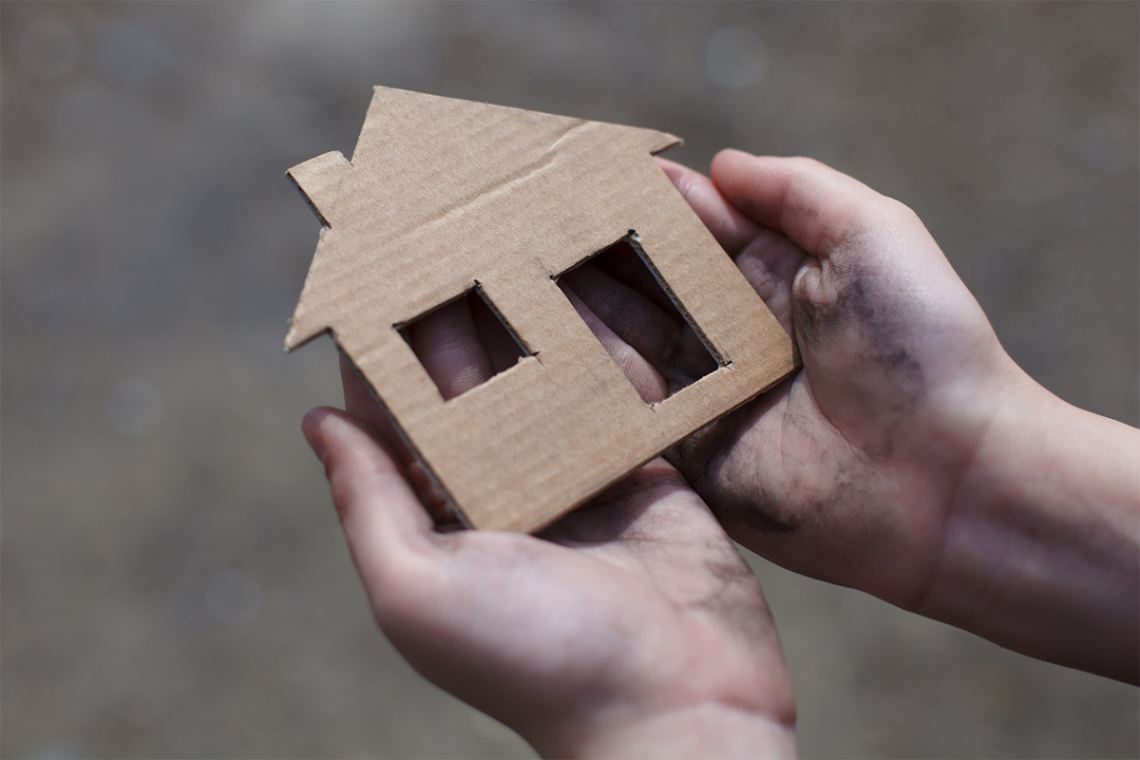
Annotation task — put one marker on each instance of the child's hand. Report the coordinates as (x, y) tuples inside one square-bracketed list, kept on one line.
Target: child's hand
[(909, 457), (847, 469), (631, 627)]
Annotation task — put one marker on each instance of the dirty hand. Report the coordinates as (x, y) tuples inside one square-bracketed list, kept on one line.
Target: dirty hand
[(909, 457), (632, 627), (844, 471)]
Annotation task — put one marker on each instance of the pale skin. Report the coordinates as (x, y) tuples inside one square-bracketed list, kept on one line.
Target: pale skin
[(910, 458)]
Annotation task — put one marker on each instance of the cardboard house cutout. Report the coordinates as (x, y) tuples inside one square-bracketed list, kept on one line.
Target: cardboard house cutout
[(442, 196)]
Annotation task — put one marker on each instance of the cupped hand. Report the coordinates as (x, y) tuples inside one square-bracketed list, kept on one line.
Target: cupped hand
[(631, 627), (846, 470), (909, 457)]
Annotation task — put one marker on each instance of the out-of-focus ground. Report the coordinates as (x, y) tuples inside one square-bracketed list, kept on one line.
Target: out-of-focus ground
[(173, 579)]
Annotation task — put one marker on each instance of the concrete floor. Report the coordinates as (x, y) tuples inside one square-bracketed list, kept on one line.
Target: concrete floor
[(173, 579)]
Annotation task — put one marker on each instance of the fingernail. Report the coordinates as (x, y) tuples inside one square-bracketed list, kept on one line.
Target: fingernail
[(310, 427)]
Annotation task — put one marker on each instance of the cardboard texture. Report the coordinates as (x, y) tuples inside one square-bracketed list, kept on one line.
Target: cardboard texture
[(444, 195)]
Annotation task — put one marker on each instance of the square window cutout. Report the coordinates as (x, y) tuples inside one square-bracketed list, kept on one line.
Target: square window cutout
[(463, 343), (627, 306)]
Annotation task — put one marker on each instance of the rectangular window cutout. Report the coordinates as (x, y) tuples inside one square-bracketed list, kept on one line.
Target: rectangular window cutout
[(463, 343), (635, 318)]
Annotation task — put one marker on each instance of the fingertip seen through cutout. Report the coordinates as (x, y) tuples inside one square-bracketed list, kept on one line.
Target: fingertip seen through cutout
[(466, 341), (628, 307), (463, 343)]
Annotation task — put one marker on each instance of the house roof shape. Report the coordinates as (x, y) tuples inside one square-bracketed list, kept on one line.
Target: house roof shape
[(443, 195)]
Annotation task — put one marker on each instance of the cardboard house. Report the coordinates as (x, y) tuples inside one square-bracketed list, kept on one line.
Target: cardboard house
[(443, 196)]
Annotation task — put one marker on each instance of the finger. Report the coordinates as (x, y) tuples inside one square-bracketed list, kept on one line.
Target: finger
[(732, 229), (448, 346), (360, 402), (669, 345), (767, 259), (623, 264), (622, 291), (501, 349), (638, 321), (648, 381), (770, 263), (815, 206), (388, 532)]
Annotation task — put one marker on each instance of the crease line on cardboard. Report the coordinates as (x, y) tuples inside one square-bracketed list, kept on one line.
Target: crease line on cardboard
[(479, 197), (566, 133)]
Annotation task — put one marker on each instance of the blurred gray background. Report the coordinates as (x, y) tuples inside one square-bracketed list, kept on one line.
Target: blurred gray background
[(173, 579)]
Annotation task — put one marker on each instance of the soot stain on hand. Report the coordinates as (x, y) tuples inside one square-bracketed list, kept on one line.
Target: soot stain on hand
[(818, 321), (856, 310), (695, 455), (734, 580), (613, 513), (761, 512)]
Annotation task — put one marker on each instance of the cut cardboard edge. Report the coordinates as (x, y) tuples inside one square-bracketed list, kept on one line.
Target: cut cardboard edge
[(659, 142), (318, 180), (668, 143), (607, 167), (450, 507)]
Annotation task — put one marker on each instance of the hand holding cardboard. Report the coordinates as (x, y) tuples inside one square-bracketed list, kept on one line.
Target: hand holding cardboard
[(443, 198)]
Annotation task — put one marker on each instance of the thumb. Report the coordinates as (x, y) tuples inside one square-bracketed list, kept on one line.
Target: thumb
[(820, 209), (390, 535)]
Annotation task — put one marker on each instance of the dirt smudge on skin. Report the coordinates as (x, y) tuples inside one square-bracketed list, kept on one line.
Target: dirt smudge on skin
[(875, 329), (758, 513), (614, 513), (734, 596)]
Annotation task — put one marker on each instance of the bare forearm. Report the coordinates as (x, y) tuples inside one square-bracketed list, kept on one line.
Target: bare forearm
[(707, 730), (1042, 543)]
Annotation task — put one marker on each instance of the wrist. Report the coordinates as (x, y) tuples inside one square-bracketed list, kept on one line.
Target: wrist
[(704, 730), (1041, 539)]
